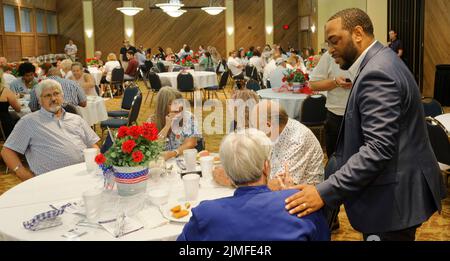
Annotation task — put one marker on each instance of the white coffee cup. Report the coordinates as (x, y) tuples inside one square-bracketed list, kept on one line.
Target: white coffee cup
[(89, 158), (207, 164), (190, 159), (92, 203), (191, 186)]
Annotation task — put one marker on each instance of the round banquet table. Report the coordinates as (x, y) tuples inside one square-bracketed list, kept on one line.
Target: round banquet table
[(95, 110), (201, 79), (61, 186), (96, 74), (291, 102)]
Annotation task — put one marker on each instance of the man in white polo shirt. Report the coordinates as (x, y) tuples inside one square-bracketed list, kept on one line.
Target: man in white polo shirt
[(327, 76)]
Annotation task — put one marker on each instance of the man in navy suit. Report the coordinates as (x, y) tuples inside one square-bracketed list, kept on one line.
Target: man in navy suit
[(254, 213), (387, 176)]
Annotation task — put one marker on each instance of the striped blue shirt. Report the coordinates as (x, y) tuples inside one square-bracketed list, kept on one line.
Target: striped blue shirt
[(49, 143), (73, 93), (18, 86)]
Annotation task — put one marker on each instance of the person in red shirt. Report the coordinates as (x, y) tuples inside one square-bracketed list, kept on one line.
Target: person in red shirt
[(133, 65)]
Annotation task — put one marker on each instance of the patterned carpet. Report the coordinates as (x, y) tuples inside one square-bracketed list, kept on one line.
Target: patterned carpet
[(436, 229)]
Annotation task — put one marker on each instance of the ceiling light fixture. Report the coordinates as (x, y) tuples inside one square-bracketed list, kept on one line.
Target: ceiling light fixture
[(213, 10), (171, 6), (176, 13), (130, 10)]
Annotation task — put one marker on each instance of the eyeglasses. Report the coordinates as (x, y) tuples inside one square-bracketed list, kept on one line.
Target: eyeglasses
[(50, 95)]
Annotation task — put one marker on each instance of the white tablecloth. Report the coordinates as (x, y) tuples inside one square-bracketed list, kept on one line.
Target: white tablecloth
[(65, 185), (444, 119), (95, 111), (201, 79), (97, 74), (291, 102)]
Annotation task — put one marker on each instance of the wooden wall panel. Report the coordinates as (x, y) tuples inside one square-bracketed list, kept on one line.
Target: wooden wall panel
[(42, 4), (307, 39), (43, 45), (108, 26), (249, 23), (155, 28), (1, 46), (13, 50), (286, 12), (436, 46), (28, 46), (70, 24)]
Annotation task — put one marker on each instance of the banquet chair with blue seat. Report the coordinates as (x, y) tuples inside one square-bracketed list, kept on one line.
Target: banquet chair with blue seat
[(253, 85), (185, 83), (440, 143), (161, 67), (222, 84), (117, 81), (153, 85), (116, 123), (127, 102), (314, 114), (431, 107)]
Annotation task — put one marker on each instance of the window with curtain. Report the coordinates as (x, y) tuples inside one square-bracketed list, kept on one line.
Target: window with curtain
[(40, 21), (9, 16), (25, 20), (52, 23)]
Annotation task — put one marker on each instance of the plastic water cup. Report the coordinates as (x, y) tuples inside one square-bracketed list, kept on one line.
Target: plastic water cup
[(92, 203), (191, 186), (207, 164), (190, 159), (89, 158)]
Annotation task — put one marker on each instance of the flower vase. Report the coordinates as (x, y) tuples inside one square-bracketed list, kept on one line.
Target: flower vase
[(131, 180), (290, 86), (296, 87)]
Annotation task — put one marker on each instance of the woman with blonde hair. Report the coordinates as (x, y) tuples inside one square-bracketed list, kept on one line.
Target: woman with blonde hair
[(110, 65), (170, 56), (7, 98), (176, 125), (66, 68)]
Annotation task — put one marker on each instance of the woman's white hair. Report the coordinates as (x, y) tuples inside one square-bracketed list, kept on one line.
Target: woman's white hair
[(66, 64), (47, 84), (243, 155)]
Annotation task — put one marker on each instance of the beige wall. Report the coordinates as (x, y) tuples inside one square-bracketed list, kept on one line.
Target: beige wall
[(377, 10)]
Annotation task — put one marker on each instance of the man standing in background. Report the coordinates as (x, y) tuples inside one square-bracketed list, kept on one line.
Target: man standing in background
[(123, 53), (395, 44)]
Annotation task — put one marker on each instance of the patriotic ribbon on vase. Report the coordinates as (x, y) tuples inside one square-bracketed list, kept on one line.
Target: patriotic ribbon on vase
[(46, 216), (131, 178)]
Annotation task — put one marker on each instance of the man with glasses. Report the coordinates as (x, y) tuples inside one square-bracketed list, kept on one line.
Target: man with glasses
[(49, 138)]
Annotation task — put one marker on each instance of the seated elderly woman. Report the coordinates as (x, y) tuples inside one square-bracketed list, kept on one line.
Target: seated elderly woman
[(175, 124), (254, 213), (66, 68), (297, 157), (85, 80), (50, 138)]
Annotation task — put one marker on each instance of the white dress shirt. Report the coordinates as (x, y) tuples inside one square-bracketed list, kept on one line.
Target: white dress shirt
[(355, 68), (233, 64), (258, 63), (270, 67)]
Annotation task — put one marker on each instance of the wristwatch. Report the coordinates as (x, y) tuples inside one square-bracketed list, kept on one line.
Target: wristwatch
[(177, 153)]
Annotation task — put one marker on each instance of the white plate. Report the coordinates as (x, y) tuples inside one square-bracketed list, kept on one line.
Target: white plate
[(165, 210), (216, 162)]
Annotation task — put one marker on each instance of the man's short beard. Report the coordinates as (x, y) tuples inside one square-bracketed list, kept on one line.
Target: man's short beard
[(350, 56), (55, 109)]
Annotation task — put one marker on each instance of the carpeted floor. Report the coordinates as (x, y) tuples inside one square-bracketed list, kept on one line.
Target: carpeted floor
[(436, 229)]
